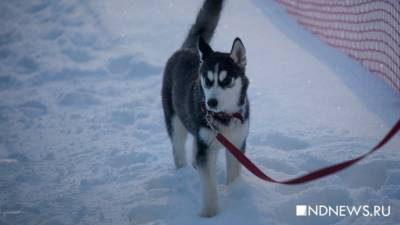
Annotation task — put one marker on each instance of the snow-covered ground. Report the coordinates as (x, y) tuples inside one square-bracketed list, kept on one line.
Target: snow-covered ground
[(82, 138)]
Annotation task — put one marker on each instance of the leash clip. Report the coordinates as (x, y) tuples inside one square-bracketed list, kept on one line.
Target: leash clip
[(210, 120)]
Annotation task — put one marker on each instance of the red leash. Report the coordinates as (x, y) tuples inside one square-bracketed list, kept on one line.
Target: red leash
[(310, 176)]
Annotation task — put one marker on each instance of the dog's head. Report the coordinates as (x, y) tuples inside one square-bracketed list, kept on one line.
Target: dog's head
[(223, 78)]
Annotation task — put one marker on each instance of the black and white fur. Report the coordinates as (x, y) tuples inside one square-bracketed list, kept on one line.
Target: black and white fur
[(196, 75)]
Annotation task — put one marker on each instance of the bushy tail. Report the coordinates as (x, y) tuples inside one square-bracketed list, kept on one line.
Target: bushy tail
[(206, 22)]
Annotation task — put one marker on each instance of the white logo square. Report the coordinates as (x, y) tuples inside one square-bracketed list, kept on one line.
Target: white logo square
[(301, 210)]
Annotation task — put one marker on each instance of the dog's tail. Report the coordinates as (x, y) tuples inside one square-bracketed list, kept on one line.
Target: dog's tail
[(206, 22)]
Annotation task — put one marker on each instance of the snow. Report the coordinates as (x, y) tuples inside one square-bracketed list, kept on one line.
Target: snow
[(83, 138)]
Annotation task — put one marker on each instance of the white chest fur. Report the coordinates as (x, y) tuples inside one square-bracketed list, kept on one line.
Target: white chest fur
[(236, 132)]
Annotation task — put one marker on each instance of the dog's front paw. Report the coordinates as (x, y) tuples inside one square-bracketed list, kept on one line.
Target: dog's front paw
[(194, 164), (209, 212), (229, 180), (180, 165)]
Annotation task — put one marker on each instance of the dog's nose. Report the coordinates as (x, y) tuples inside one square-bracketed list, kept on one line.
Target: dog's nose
[(212, 103)]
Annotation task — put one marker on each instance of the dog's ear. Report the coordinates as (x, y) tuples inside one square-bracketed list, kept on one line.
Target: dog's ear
[(204, 48), (238, 52)]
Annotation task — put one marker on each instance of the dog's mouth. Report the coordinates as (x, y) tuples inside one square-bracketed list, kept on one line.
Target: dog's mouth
[(220, 110), (214, 110)]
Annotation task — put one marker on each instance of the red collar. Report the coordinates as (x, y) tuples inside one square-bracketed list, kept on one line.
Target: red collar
[(222, 115)]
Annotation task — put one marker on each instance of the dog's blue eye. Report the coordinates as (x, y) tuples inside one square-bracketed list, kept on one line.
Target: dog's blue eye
[(228, 82), (208, 82)]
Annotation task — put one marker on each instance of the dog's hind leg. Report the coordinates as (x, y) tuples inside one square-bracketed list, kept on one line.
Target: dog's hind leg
[(178, 138)]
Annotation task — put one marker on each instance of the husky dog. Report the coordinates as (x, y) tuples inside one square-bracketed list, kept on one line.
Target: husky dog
[(202, 90)]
